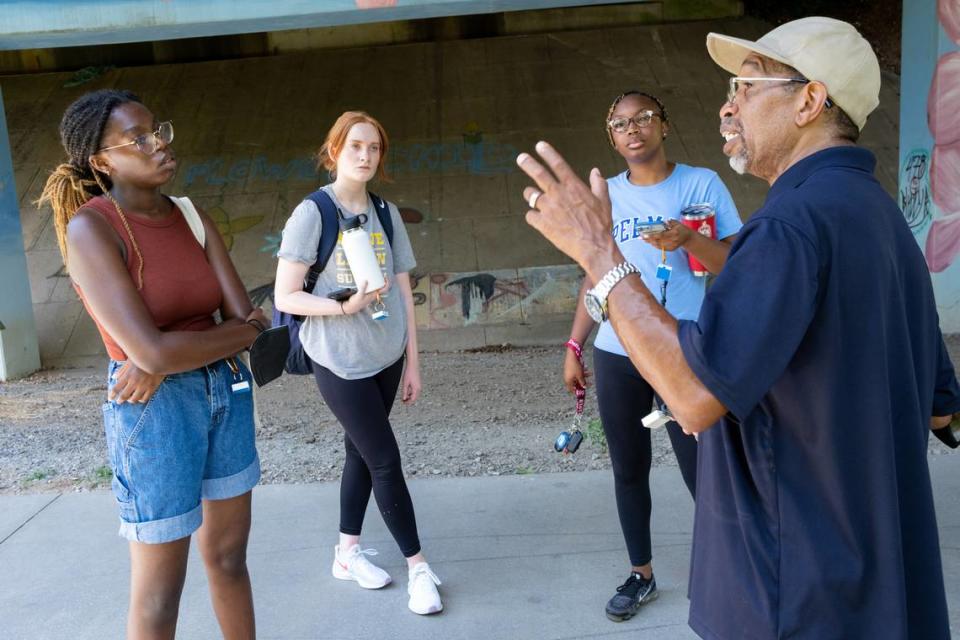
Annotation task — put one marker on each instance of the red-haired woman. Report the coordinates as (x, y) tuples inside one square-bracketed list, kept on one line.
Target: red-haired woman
[(360, 360)]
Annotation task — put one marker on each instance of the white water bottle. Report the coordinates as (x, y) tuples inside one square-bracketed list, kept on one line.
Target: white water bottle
[(359, 253)]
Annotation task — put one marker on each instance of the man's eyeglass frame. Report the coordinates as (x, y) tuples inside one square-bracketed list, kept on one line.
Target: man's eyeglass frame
[(732, 90), (141, 140)]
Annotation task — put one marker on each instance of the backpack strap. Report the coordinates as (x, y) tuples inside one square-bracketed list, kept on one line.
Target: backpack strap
[(193, 219), (383, 212), (329, 232)]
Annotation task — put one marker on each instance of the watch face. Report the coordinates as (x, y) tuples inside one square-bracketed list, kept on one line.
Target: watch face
[(593, 306)]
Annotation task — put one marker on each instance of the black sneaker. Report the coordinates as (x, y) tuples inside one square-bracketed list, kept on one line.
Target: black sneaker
[(636, 591)]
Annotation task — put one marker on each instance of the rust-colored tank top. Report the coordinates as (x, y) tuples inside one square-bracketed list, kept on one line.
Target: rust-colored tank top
[(180, 289)]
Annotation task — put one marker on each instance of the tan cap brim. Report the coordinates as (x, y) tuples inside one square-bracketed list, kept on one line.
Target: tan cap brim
[(730, 52)]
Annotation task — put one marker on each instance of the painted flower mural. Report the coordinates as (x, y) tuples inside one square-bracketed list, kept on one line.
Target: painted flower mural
[(943, 118)]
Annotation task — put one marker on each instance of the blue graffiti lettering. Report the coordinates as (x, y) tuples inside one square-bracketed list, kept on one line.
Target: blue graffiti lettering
[(239, 171), (484, 158)]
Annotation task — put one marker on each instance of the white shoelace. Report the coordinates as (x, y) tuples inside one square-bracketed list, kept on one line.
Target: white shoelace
[(356, 553), (424, 570)]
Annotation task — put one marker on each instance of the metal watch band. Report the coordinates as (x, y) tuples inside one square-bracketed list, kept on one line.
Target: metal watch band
[(602, 289)]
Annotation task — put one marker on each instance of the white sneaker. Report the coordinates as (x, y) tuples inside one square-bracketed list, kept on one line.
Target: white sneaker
[(353, 565), (422, 587)]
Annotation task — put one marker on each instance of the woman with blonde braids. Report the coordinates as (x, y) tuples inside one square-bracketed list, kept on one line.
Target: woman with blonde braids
[(152, 272)]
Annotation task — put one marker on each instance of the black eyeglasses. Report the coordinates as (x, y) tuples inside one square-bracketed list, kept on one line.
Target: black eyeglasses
[(148, 143)]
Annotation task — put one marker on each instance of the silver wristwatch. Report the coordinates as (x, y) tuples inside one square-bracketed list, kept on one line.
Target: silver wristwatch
[(595, 300)]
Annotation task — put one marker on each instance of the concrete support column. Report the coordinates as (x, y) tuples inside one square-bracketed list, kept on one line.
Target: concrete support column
[(929, 182), (19, 355)]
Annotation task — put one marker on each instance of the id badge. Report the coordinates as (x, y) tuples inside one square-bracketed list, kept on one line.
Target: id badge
[(239, 384), (379, 310)]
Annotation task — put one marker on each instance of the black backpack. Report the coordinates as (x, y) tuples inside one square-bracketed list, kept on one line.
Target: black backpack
[(298, 362)]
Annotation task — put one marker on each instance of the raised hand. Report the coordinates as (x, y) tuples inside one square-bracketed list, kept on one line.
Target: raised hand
[(574, 217)]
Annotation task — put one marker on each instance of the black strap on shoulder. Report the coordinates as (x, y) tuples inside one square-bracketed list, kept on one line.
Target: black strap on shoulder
[(330, 230), (383, 212)]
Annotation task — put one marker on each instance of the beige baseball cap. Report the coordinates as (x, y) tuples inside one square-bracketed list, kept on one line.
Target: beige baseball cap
[(830, 51)]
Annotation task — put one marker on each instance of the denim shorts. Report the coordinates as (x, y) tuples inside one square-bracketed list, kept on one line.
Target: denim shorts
[(192, 440)]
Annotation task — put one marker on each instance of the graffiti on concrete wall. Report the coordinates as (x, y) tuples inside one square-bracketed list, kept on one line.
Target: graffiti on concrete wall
[(223, 172), (474, 158), (497, 297), (85, 75), (915, 190), (481, 295), (229, 227), (470, 157), (509, 296)]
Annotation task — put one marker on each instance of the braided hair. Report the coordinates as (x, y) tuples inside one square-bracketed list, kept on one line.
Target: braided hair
[(619, 99), (75, 181)]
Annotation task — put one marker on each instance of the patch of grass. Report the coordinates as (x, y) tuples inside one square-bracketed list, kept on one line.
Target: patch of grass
[(524, 471), (102, 473), (594, 433), (40, 474)]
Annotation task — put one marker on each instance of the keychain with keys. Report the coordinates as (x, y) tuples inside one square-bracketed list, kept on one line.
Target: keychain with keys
[(239, 384), (569, 441), (380, 310)]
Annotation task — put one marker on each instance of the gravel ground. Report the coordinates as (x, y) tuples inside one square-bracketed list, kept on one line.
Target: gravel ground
[(481, 413), (491, 412)]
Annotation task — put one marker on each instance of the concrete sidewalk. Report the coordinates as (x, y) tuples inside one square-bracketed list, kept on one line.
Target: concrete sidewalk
[(520, 556)]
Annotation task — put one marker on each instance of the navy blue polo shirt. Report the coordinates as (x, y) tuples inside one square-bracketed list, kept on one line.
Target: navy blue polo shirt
[(814, 511)]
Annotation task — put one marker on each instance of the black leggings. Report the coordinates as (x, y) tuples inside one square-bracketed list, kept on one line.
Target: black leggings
[(624, 398), (373, 458)]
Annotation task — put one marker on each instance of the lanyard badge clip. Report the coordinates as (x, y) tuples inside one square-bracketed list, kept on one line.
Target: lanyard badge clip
[(239, 384), (380, 310), (663, 275)]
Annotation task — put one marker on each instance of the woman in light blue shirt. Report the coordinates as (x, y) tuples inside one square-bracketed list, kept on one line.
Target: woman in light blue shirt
[(652, 189)]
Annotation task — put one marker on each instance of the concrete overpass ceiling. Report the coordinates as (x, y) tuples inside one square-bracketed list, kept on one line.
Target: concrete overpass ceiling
[(33, 24)]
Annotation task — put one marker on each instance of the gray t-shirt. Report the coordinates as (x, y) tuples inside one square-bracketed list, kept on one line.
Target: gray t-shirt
[(353, 346)]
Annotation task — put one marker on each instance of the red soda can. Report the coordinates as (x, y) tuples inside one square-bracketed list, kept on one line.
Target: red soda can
[(703, 220)]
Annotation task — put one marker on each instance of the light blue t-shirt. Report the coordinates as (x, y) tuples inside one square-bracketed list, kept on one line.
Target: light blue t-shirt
[(663, 201)]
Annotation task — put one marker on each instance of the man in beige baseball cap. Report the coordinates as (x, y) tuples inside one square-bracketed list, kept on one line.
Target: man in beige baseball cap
[(815, 369), (826, 60)]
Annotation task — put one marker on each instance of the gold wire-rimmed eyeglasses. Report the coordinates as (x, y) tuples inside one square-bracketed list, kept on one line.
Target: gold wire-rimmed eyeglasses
[(148, 143)]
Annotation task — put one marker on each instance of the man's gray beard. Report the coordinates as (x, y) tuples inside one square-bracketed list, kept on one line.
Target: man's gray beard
[(739, 163)]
